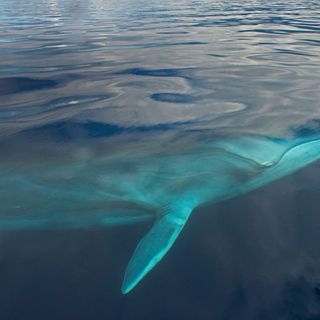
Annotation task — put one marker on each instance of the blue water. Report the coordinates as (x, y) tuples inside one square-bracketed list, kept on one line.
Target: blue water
[(91, 69)]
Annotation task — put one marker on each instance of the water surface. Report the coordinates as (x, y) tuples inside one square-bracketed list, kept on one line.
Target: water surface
[(92, 69)]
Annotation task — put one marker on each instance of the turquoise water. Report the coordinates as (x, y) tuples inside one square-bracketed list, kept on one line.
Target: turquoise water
[(117, 112)]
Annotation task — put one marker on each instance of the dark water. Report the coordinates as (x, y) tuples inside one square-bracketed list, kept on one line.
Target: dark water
[(97, 68)]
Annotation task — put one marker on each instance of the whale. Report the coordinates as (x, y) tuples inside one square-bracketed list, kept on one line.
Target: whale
[(77, 175)]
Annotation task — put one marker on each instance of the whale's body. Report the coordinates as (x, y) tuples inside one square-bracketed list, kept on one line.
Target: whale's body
[(125, 179)]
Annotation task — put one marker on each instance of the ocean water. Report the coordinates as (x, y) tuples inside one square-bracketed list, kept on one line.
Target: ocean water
[(82, 78)]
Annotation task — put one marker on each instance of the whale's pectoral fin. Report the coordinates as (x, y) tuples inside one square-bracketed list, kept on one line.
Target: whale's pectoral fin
[(152, 247)]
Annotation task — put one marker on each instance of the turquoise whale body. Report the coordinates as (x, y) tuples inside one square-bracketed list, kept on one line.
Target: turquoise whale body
[(121, 177)]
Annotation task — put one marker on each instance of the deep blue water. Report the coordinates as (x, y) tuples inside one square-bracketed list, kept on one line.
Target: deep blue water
[(92, 69)]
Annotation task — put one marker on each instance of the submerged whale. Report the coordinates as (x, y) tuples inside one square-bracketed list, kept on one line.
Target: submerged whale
[(113, 176)]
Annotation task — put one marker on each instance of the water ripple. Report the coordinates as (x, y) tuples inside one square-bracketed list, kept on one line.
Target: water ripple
[(249, 64), (20, 84), (173, 97), (156, 72)]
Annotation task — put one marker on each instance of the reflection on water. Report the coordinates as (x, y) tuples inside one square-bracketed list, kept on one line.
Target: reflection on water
[(154, 62), (89, 69)]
